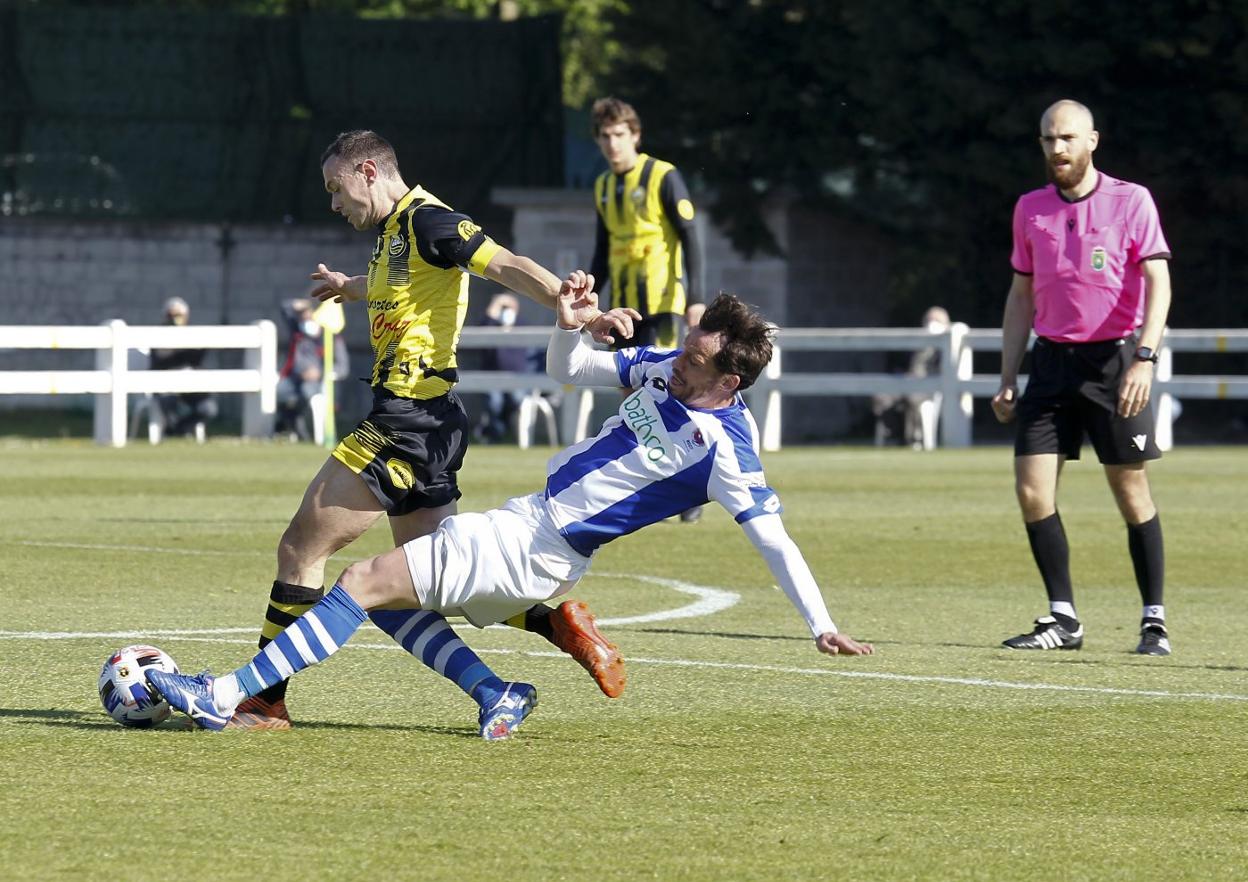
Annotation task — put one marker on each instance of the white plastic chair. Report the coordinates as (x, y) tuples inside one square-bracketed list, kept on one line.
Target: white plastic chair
[(526, 416)]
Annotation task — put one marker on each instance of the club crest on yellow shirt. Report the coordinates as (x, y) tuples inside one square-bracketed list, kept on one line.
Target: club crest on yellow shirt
[(1098, 258)]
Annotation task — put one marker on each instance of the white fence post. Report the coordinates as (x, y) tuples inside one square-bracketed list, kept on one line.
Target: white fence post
[(1165, 402), (110, 407), (769, 397), (259, 407), (955, 413)]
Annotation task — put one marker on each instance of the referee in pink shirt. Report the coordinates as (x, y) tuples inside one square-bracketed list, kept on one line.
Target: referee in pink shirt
[(1091, 277)]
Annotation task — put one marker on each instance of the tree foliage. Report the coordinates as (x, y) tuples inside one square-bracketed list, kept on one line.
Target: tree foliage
[(587, 45), (919, 119)]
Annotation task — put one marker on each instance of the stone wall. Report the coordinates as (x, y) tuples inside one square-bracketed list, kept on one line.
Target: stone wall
[(83, 273)]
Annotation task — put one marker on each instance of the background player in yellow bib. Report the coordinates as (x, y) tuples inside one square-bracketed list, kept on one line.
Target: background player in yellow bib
[(647, 247), (402, 459)]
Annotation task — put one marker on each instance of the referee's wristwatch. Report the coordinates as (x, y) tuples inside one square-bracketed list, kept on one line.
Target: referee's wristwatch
[(1143, 353)]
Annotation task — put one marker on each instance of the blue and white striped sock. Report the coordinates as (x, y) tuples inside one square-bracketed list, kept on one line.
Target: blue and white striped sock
[(426, 635), (311, 638)]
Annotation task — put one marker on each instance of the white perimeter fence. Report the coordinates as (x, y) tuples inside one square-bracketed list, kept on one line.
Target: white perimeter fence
[(951, 389)]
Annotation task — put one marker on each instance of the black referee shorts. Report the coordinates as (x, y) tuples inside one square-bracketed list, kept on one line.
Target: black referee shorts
[(1073, 388), (408, 451)]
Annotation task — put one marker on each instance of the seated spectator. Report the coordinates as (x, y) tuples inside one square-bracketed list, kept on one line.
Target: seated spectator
[(301, 375), (897, 417), (182, 413), (501, 405)]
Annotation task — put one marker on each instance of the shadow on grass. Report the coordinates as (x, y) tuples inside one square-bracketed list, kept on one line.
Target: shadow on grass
[(724, 634), (196, 521), (1126, 658), (92, 721)]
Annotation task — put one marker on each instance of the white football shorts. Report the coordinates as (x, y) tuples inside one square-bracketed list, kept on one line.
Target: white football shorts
[(489, 566)]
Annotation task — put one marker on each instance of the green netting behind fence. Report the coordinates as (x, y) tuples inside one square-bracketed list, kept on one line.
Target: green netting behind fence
[(216, 117)]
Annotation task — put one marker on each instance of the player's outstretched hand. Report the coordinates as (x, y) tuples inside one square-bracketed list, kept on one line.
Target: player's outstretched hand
[(338, 286), (1003, 403), (577, 307), (842, 644), (576, 304), (614, 323)]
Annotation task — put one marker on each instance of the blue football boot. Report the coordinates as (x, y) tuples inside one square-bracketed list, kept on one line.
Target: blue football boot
[(503, 716), (191, 695)]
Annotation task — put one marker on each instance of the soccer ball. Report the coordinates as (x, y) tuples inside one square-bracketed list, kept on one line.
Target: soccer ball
[(124, 690)]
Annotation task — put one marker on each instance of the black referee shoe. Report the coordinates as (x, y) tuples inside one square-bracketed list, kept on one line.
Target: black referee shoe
[(1153, 640), (1048, 634)]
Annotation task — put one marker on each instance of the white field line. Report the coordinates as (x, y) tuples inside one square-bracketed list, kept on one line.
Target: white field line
[(209, 636), (710, 600)]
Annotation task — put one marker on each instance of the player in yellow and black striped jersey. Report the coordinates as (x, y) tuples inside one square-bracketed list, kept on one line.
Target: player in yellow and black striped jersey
[(402, 459), (647, 246), (647, 243)]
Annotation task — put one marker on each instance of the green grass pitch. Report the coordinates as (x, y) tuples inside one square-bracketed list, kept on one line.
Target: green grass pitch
[(737, 752)]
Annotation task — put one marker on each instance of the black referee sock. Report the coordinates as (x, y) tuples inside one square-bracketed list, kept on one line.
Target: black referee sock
[(1148, 556), (287, 602), (1052, 553)]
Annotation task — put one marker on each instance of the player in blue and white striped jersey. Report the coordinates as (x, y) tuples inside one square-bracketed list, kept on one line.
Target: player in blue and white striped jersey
[(682, 437)]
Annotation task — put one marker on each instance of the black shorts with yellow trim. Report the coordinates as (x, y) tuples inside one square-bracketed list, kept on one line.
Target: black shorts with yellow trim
[(661, 330), (408, 451)]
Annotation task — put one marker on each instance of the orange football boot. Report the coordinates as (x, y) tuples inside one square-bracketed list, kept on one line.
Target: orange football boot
[(257, 715), (578, 636)]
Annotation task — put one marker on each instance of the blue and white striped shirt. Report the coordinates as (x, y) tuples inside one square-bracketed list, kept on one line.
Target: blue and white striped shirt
[(656, 458)]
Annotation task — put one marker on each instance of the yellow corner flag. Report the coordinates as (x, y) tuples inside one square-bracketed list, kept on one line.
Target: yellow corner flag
[(330, 316)]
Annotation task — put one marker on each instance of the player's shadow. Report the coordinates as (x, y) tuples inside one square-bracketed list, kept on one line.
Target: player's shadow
[(728, 635), (92, 721), (169, 520), (1126, 658), (30, 716)]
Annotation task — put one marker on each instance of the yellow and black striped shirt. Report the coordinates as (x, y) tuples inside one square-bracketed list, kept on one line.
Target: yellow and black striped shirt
[(647, 239), (418, 293)]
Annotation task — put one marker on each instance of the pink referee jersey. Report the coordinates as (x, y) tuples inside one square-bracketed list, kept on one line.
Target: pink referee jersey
[(1084, 257)]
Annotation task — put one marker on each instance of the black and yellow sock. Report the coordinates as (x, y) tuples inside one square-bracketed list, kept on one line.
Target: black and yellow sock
[(287, 602), (536, 620)]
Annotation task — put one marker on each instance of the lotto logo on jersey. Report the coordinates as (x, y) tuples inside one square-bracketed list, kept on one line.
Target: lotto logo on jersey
[(642, 416)]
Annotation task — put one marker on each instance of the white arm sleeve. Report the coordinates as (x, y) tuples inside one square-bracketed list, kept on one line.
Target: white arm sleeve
[(570, 360), (786, 563)]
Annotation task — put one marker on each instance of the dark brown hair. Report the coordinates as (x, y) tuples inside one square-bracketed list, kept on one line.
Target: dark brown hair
[(361, 144), (610, 110), (746, 338)]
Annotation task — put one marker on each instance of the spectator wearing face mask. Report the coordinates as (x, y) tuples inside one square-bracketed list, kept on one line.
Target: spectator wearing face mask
[(500, 404), (301, 377)]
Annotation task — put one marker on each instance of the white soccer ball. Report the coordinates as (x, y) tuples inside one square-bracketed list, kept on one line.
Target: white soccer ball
[(124, 690)]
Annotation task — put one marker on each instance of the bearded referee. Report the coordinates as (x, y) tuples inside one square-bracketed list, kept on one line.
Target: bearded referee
[(1091, 278)]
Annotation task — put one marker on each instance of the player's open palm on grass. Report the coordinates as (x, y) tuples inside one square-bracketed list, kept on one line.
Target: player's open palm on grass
[(842, 644)]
